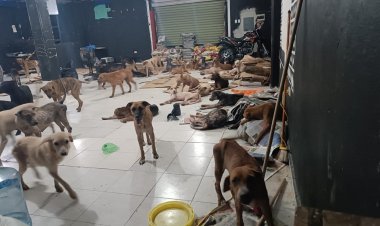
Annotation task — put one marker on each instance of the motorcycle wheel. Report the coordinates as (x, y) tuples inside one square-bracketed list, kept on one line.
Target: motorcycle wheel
[(227, 55)]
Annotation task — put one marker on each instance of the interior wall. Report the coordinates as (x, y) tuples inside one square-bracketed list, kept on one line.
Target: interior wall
[(334, 112), (251, 7), (127, 31), (13, 14)]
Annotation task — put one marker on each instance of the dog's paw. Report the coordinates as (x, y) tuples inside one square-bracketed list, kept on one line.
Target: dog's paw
[(73, 195), (142, 161), (111, 96), (155, 156)]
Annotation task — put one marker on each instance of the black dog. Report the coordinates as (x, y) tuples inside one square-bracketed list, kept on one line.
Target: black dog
[(19, 94), (225, 99), (220, 83)]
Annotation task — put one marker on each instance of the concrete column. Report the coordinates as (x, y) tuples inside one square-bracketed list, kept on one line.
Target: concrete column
[(43, 38)]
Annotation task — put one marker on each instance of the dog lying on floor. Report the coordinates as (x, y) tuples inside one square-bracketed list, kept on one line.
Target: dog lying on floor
[(225, 99), (187, 80), (143, 123), (124, 114), (8, 123), (18, 94), (216, 118), (245, 180), (217, 64), (57, 88), (186, 97), (47, 152), (117, 78), (34, 121), (220, 83), (261, 112), (205, 89)]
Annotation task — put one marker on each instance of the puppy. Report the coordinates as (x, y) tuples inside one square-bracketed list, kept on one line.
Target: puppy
[(186, 97), (225, 99), (27, 64), (8, 123), (216, 118), (117, 78), (245, 180), (47, 152), (187, 80), (220, 83), (57, 88), (217, 64), (261, 112), (35, 121), (124, 114), (143, 123)]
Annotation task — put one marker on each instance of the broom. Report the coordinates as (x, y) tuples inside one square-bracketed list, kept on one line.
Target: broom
[(282, 83)]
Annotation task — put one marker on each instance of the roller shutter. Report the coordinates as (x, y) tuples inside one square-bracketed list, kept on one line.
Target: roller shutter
[(203, 18)]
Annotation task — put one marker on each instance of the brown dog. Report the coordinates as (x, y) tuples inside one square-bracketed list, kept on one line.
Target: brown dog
[(47, 152), (124, 114), (57, 88), (143, 123), (245, 179), (261, 112), (117, 78), (28, 64), (186, 97), (187, 80), (217, 64)]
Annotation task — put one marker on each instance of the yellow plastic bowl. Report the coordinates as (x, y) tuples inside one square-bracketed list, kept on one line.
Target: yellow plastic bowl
[(173, 213)]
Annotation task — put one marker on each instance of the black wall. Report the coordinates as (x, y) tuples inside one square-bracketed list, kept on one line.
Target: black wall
[(14, 13), (262, 7), (334, 113)]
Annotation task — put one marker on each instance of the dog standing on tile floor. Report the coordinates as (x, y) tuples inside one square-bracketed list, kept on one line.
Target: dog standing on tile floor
[(47, 152), (143, 123), (245, 180)]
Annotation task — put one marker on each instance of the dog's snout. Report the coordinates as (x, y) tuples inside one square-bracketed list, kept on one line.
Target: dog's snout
[(63, 153)]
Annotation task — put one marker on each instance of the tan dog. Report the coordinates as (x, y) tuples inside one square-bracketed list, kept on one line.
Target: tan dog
[(179, 70), (187, 80), (245, 180), (117, 78), (47, 152), (8, 123), (217, 64), (27, 64), (143, 123), (57, 88), (261, 112), (186, 97)]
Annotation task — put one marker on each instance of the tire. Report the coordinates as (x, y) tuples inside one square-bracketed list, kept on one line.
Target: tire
[(227, 55)]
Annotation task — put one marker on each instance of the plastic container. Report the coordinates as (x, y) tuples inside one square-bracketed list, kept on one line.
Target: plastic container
[(173, 213), (12, 202)]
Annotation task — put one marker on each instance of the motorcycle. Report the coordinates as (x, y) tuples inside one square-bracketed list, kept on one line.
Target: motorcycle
[(235, 48)]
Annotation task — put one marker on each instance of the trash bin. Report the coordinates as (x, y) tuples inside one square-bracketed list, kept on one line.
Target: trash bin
[(11, 196)]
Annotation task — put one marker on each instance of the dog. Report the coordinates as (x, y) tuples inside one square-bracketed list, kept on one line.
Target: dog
[(205, 89), (217, 64), (124, 114), (143, 123), (245, 180), (216, 118), (220, 83), (35, 121), (8, 123), (117, 78), (179, 70), (186, 97), (153, 65), (18, 94), (170, 66), (261, 112), (27, 64), (225, 99), (57, 88), (187, 80), (47, 152)]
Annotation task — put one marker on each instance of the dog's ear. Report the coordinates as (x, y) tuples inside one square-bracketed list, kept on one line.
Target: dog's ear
[(129, 105), (226, 184), (144, 103), (46, 139), (71, 138)]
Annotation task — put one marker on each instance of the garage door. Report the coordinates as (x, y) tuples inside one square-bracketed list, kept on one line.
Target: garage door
[(203, 18)]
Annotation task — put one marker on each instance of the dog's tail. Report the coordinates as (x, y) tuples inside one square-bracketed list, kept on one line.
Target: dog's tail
[(64, 91), (154, 109)]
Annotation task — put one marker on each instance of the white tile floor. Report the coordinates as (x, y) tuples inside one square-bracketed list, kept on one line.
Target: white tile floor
[(114, 189)]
